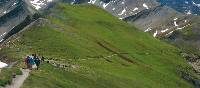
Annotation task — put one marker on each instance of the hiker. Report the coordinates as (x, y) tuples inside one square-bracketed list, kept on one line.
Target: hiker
[(13, 75), (26, 62), (42, 59), (34, 56), (37, 61), (31, 62)]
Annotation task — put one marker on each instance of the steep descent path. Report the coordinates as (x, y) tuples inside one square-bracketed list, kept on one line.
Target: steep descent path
[(19, 80)]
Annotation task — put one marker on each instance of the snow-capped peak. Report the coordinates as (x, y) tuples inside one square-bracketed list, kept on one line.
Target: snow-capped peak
[(38, 4), (92, 1), (145, 5), (155, 34), (123, 11), (198, 5)]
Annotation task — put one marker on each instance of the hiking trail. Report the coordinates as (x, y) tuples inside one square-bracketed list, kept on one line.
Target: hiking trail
[(59, 64), (19, 80)]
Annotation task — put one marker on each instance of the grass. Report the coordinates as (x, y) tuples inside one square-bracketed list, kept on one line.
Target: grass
[(75, 32), (6, 75)]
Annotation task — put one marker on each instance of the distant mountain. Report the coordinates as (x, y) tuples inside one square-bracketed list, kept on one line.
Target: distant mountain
[(86, 47), (39, 4), (184, 6), (84, 39), (125, 8), (161, 18), (150, 15), (14, 14)]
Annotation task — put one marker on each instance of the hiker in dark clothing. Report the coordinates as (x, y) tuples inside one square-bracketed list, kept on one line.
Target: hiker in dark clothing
[(37, 61), (42, 59), (34, 56), (13, 75)]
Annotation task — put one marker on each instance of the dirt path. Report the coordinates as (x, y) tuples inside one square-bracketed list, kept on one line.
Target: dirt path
[(19, 80), (64, 65)]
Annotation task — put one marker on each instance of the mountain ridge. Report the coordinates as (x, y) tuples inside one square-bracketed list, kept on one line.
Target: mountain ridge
[(70, 37), (70, 34)]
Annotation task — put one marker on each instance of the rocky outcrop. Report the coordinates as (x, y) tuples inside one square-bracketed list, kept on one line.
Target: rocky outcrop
[(14, 13), (193, 60), (189, 78), (183, 6)]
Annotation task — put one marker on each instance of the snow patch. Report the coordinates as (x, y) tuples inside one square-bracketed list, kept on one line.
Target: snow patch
[(148, 29), (92, 1), (3, 34), (189, 12), (164, 30), (155, 34), (175, 23), (1, 40), (37, 4), (123, 11), (185, 21), (5, 12), (105, 5), (145, 6), (2, 65), (198, 5), (123, 2), (186, 2), (14, 4), (169, 33), (176, 18), (135, 9), (179, 28)]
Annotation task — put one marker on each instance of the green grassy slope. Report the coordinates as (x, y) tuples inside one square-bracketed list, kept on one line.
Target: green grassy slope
[(74, 33)]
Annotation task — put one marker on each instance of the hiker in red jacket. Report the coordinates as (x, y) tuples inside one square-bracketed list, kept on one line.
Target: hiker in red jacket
[(26, 62)]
